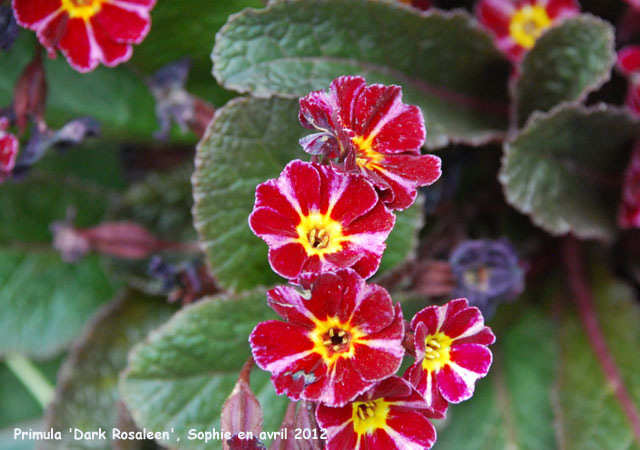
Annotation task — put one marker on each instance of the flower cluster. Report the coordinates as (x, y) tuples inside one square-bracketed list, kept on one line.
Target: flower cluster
[(87, 32), (342, 340), (517, 24)]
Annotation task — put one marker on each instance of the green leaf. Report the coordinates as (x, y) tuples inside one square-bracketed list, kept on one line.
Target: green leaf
[(250, 141), (567, 63), (115, 97), (87, 391), (564, 167), (45, 301), (512, 407), (589, 415), (443, 61), (188, 28), (179, 377), (403, 240)]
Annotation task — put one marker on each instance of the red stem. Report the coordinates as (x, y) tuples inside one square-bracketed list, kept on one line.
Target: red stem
[(584, 301)]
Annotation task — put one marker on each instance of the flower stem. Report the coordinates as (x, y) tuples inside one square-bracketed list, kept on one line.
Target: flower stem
[(31, 377), (584, 301)]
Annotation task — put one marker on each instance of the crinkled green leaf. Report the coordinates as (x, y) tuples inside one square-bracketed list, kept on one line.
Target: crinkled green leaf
[(589, 417), (567, 63), (86, 394), (564, 167), (45, 301), (179, 377), (250, 141), (443, 61), (512, 407)]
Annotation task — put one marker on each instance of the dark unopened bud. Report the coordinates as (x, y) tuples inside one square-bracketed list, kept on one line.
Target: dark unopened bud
[(487, 272), (8, 27), (241, 412), (30, 93)]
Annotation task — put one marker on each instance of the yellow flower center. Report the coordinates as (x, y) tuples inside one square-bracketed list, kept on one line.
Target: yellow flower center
[(369, 416), (333, 339), (366, 156), (83, 9), (319, 234), (437, 347), (527, 24)]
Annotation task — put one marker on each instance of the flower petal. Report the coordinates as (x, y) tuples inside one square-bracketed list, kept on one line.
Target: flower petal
[(76, 46), (455, 383), (121, 24), (495, 15), (31, 13), (473, 357), (409, 430), (288, 260)]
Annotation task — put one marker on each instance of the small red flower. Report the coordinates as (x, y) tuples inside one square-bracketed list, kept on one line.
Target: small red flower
[(9, 146), (629, 65), (629, 211), (314, 219), (451, 352), (374, 133), (517, 24), (336, 344), (392, 415), (87, 32)]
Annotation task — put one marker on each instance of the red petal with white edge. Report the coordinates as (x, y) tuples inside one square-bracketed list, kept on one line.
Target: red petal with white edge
[(123, 25), (345, 91), (425, 383), (629, 59), (421, 170), (374, 107), (289, 305), (339, 386), (455, 383), (434, 316), (272, 226), (562, 8), (464, 324), (277, 346), (9, 146), (402, 130), (51, 33), (347, 197), (287, 261), (368, 264), (112, 52), (474, 357), (316, 110), (77, 48), (373, 311), (31, 13), (409, 430), (148, 4), (372, 229), (373, 361), (495, 15), (300, 183), (269, 194), (303, 371)]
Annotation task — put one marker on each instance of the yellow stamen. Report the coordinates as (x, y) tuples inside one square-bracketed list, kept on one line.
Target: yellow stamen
[(369, 416), (528, 23), (82, 9), (437, 347)]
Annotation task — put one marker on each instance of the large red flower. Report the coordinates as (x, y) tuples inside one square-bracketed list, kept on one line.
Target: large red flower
[(87, 32), (315, 219), (8, 148), (390, 416), (336, 344), (451, 352), (374, 134), (517, 24)]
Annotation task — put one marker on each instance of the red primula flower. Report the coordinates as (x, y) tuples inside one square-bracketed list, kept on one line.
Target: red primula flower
[(314, 219), (9, 146), (374, 133), (451, 352), (391, 415), (629, 211), (337, 342), (629, 66), (517, 24), (87, 32)]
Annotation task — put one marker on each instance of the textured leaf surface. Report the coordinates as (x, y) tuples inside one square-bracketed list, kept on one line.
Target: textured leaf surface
[(250, 141), (563, 168), (512, 407), (45, 301), (181, 375), (589, 416), (86, 394), (567, 63), (443, 61)]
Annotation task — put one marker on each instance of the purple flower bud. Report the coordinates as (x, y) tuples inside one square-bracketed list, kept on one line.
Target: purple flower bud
[(487, 272)]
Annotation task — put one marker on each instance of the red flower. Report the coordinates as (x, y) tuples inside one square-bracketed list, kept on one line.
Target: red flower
[(629, 211), (336, 344), (87, 32), (451, 352), (391, 415), (517, 24), (374, 133), (314, 219), (629, 65), (9, 146)]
